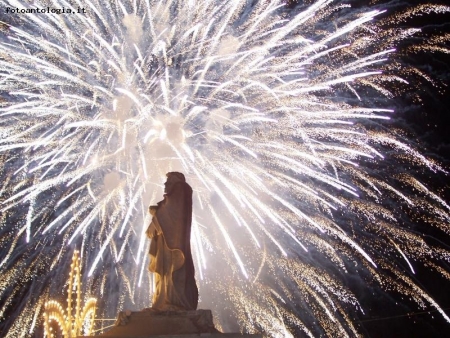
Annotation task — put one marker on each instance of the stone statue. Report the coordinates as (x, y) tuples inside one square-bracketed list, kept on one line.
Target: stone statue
[(174, 310), (170, 249)]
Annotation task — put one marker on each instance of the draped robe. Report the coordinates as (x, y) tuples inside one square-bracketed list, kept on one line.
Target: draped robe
[(170, 251)]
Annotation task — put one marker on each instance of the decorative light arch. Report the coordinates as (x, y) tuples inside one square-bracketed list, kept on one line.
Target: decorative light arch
[(72, 321)]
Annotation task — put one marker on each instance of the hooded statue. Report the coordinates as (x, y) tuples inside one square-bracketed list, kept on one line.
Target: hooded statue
[(170, 248)]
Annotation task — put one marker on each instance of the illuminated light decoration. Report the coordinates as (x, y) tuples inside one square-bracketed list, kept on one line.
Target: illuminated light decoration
[(75, 319)]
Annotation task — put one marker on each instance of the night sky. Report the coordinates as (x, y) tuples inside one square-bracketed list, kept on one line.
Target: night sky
[(427, 124)]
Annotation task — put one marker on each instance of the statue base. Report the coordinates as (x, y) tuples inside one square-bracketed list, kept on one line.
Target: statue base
[(167, 324), (206, 335)]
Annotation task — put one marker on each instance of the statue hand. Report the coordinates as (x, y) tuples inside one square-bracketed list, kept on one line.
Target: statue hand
[(152, 209), (151, 231)]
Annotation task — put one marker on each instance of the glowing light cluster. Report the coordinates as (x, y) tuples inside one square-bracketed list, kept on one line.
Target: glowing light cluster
[(71, 322)]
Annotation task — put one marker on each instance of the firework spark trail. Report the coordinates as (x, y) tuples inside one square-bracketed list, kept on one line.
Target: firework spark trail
[(269, 114)]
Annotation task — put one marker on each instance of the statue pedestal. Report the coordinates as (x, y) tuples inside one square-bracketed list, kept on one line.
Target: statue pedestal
[(167, 324), (205, 335)]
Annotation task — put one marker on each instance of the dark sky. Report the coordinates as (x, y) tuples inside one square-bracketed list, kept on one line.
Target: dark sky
[(427, 124)]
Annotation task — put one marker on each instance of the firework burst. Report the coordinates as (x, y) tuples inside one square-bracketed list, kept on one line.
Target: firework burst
[(274, 117)]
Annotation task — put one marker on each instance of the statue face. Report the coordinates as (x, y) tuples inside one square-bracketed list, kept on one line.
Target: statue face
[(171, 180)]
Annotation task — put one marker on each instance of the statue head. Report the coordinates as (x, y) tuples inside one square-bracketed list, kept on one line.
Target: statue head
[(172, 178)]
